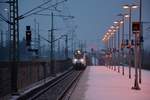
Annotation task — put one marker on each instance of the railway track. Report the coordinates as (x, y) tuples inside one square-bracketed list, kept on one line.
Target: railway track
[(57, 89), (71, 89)]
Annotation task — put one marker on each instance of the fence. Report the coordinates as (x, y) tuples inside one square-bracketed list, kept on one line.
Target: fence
[(28, 73)]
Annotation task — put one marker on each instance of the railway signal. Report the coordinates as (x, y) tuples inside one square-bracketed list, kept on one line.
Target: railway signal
[(28, 36)]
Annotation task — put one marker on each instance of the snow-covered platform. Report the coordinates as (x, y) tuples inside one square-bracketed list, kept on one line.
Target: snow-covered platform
[(101, 83)]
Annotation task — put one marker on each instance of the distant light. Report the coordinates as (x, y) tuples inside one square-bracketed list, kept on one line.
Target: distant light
[(134, 6), (6, 9), (75, 60), (109, 30), (121, 22), (112, 33), (126, 16), (130, 6), (126, 6), (116, 22), (78, 52), (117, 27), (107, 33), (112, 27), (82, 60)]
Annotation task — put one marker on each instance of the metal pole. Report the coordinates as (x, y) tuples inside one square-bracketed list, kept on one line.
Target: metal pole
[(72, 43), (136, 85), (112, 52), (66, 49), (129, 55), (123, 44), (14, 46), (39, 43), (17, 32), (59, 55), (141, 45), (52, 46), (115, 52), (1, 44), (35, 36), (119, 48), (107, 50), (108, 53)]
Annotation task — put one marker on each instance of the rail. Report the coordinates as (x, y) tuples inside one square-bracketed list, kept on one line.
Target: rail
[(54, 89)]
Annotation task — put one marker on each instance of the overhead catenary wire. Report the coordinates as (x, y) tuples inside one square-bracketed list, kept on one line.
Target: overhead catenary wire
[(36, 7), (4, 19), (29, 12), (64, 16), (53, 40)]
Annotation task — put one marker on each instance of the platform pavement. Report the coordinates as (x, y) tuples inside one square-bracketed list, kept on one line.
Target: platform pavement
[(101, 83)]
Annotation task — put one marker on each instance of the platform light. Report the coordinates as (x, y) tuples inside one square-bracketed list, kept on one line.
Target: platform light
[(121, 22), (134, 6), (109, 30), (114, 30), (126, 16), (107, 33), (125, 6), (130, 6), (112, 27), (116, 22)]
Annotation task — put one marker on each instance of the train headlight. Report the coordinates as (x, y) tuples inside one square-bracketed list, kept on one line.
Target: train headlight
[(82, 60), (75, 60)]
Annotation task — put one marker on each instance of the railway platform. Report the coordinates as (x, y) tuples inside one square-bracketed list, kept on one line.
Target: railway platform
[(102, 83)]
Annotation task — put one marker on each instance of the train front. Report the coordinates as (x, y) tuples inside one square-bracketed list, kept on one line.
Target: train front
[(79, 61)]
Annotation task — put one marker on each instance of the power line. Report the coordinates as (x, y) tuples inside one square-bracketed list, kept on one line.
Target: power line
[(53, 40), (4, 19), (64, 16), (29, 12), (36, 8)]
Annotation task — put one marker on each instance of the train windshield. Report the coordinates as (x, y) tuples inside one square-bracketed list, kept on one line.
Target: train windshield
[(78, 54)]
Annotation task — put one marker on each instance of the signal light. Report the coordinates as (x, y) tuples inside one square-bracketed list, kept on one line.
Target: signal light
[(28, 36)]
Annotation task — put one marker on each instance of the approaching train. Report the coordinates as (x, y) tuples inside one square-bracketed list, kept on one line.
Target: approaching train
[(79, 60)]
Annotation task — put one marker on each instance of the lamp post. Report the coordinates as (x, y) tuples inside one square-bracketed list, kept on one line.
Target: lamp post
[(118, 25), (118, 50), (123, 40), (129, 7), (106, 42), (141, 45), (114, 51), (136, 31), (111, 42), (113, 35)]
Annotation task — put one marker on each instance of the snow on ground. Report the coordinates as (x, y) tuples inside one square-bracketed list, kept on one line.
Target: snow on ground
[(101, 83)]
